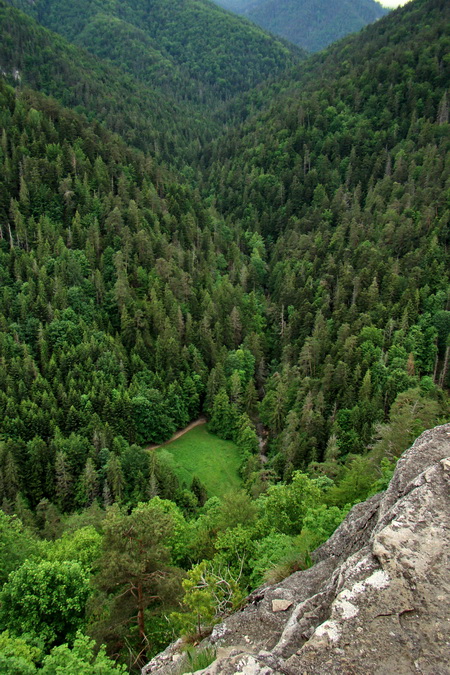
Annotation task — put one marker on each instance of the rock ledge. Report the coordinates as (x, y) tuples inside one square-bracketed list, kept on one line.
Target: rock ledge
[(377, 601)]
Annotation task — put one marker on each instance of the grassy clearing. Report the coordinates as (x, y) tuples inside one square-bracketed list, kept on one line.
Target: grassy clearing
[(198, 453)]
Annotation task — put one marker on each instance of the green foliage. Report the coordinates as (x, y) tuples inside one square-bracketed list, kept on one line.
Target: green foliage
[(92, 382), (117, 331), (160, 633), (241, 361), (245, 437), (313, 25), (151, 421), (15, 665), (236, 508), (284, 507), (235, 547), (290, 281), (17, 656), (197, 659), (387, 471), (279, 555), (181, 45), (337, 182), (210, 592), (82, 546), (178, 540), (355, 484), (411, 413), (92, 86), (269, 552), (16, 544), (81, 659), (135, 572), (224, 416), (319, 524), (46, 599)]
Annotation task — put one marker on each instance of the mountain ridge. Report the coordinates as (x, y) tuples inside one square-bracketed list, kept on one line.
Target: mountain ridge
[(212, 47), (310, 24), (48, 63)]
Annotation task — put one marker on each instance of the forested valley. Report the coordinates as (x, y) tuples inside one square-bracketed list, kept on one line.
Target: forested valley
[(199, 221)]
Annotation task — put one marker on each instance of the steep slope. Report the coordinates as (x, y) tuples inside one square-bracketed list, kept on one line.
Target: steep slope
[(374, 602), (115, 301), (213, 54), (146, 116), (312, 273), (346, 177), (311, 24), (332, 265)]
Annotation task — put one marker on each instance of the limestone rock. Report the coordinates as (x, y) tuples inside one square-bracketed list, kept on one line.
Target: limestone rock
[(167, 662), (281, 605), (377, 601)]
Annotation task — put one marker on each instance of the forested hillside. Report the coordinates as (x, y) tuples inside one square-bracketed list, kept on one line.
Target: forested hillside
[(311, 24), (193, 49), (347, 177), (145, 116), (116, 301), (277, 264)]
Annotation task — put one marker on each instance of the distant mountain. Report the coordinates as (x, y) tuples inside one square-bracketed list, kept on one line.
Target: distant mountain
[(311, 24), (238, 6), (160, 79), (193, 48)]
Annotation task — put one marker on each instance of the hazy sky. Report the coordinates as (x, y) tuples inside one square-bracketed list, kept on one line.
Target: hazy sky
[(393, 3)]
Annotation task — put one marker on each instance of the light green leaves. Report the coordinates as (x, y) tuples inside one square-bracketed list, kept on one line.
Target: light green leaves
[(46, 598)]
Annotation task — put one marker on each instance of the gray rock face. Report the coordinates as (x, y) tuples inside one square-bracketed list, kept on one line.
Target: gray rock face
[(377, 601)]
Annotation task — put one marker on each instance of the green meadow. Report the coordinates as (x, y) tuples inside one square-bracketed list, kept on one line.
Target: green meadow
[(198, 453)]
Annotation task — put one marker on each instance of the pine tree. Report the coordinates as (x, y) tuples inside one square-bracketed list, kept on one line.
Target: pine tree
[(63, 482), (88, 489)]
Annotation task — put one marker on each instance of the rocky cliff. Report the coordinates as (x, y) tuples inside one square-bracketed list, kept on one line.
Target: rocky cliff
[(377, 600)]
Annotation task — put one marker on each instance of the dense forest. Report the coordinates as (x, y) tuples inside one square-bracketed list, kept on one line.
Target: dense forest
[(263, 242), (191, 50), (338, 177), (310, 24), (157, 101)]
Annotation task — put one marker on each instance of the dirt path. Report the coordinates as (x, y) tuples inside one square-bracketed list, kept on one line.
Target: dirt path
[(178, 434)]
